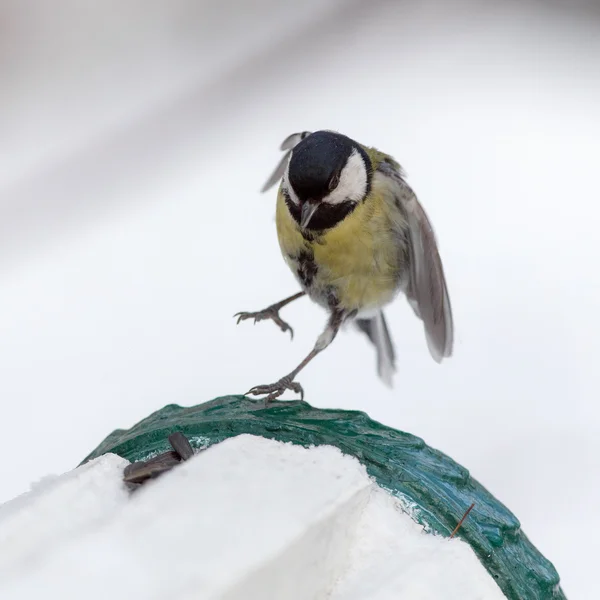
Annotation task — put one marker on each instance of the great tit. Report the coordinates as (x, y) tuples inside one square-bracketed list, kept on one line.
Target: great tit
[(354, 234)]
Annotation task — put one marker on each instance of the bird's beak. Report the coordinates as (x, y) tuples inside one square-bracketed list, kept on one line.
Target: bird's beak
[(308, 210)]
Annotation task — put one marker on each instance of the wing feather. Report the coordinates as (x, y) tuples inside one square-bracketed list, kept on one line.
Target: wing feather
[(427, 291), (288, 144), (377, 331)]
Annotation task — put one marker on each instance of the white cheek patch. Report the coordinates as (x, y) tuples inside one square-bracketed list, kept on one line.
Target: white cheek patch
[(287, 187), (353, 181)]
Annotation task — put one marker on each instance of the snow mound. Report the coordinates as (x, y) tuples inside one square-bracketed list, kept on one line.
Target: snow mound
[(393, 558), (56, 511), (249, 518)]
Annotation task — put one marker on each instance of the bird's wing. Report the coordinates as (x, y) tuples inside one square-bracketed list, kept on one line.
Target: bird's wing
[(288, 144), (426, 291), (377, 331)]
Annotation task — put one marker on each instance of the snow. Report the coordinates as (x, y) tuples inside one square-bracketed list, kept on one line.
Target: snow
[(134, 143), (57, 510), (394, 558), (247, 519)]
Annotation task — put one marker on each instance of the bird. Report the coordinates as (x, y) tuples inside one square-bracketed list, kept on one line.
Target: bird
[(355, 236)]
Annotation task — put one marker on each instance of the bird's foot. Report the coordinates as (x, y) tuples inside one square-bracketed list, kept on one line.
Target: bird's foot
[(271, 312), (274, 390)]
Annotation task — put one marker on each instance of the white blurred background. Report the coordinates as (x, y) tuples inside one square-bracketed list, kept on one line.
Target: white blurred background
[(134, 137)]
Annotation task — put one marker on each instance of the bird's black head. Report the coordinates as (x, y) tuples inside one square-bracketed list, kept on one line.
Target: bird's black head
[(327, 176)]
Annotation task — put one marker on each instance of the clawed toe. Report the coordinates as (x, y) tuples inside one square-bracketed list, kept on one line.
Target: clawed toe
[(274, 390), (282, 324), (242, 316), (262, 315)]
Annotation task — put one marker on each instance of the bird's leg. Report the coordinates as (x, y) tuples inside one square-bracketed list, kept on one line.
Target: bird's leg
[(274, 390), (271, 312)]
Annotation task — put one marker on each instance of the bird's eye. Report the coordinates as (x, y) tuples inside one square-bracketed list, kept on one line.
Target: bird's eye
[(333, 182)]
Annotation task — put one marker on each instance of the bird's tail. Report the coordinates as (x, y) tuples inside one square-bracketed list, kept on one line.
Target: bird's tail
[(377, 331)]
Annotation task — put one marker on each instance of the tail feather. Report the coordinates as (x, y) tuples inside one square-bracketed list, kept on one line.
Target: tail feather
[(377, 331)]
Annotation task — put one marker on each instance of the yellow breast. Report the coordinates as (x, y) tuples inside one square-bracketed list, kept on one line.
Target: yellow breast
[(358, 260)]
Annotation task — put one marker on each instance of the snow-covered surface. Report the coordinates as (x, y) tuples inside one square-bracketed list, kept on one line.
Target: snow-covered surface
[(247, 519), (393, 558), (56, 511), (134, 137)]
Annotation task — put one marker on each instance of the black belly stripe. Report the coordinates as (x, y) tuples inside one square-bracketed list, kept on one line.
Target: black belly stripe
[(307, 267)]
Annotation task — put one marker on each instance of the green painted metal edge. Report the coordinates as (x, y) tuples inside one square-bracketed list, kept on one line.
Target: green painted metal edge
[(434, 488)]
